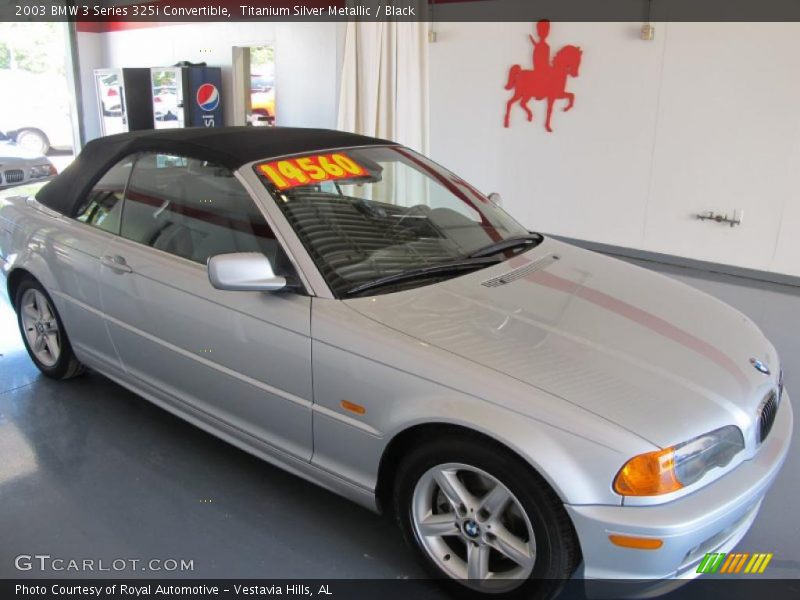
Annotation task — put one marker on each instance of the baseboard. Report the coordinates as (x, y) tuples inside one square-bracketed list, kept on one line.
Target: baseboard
[(683, 263)]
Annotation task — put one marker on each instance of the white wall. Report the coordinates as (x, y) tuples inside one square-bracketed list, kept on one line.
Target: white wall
[(705, 117), (306, 62)]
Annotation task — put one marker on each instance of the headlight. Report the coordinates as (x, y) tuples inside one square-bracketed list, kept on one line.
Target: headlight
[(670, 469), (42, 171)]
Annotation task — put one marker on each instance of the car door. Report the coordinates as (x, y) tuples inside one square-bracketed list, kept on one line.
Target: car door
[(76, 251), (241, 358)]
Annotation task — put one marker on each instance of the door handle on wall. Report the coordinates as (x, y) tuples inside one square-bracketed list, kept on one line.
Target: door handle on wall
[(116, 263)]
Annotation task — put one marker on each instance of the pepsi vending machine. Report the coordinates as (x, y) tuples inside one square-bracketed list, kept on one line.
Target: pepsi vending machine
[(186, 96)]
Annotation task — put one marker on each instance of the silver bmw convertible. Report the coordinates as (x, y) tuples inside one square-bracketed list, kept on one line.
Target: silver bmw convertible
[(347, 309)]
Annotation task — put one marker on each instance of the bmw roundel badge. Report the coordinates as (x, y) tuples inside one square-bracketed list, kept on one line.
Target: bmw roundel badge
[(759, 366)]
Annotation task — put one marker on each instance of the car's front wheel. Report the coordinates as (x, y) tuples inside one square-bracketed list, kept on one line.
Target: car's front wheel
[(34, 140), (483, 520), (43, 332)]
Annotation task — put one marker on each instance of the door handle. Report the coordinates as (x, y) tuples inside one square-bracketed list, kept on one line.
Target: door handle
[(116, 263)]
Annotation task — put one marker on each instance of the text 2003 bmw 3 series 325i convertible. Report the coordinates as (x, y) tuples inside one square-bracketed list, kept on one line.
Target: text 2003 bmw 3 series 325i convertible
[(378, 326)]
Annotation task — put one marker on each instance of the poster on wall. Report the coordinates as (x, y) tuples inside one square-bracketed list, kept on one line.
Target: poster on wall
[(547, 80)]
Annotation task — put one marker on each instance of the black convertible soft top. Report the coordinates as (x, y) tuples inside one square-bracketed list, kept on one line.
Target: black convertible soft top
[(230, 147)]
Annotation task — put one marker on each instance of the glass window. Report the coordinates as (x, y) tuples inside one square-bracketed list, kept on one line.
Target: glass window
[(102, 206), (194, 209), (386, 215)]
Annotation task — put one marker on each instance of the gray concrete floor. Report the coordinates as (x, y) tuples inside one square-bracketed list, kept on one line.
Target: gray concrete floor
[(89, 470)]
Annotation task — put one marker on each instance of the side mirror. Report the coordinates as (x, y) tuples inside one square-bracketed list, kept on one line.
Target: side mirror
[(243, 272), (496, 199)]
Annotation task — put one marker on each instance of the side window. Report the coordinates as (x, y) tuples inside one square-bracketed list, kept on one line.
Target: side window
[(194, 209), (102, 206)]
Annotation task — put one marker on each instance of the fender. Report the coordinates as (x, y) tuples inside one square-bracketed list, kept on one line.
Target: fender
[(24, 224), (577, 453)]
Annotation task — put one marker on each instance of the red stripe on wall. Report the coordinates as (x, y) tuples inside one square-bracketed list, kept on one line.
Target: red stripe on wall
[(113, 23), (109, 24)]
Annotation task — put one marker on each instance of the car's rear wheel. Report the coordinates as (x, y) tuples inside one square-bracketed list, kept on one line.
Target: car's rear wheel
[(33, 140), (483, 521), (43, 332)]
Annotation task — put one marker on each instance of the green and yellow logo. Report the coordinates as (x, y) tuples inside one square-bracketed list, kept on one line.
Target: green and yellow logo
[(734, 563)]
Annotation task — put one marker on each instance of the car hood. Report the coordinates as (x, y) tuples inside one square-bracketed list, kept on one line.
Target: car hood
[(644, 351), (11, 150)]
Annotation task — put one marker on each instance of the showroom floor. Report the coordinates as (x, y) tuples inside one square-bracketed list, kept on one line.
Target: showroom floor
[(88, 470)]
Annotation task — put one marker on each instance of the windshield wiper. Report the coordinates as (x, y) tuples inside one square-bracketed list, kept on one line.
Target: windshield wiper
[(532, 239), (421, 273)]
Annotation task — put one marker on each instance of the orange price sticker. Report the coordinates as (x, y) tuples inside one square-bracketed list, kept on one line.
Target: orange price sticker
[(305, 170)]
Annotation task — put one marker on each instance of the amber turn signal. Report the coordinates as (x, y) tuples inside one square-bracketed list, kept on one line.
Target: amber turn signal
[(628, 541), (648, 474), (353, 407)]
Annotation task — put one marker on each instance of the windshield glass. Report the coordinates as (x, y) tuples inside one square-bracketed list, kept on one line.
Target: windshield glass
[(366, 214)]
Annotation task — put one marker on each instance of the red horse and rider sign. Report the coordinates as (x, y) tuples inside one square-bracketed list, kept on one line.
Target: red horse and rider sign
[(547, 80)]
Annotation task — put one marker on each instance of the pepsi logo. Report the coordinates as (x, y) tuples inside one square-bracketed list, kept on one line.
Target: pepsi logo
[(208, 97)]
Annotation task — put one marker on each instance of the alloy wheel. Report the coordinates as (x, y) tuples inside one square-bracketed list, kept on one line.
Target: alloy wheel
[(473, 527), (40, 327)]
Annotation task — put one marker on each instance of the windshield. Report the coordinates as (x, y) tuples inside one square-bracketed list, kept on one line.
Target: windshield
[(370, 214)]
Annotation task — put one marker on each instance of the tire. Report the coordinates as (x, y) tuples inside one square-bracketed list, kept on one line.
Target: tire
[(34, 140), (38, 319), (529, 520)]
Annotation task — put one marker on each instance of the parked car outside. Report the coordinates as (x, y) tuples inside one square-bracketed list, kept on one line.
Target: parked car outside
[(36, 114), (19, 166), (345, 308)]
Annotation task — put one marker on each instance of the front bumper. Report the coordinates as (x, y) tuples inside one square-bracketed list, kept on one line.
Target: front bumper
[(4, 185), (713, 519)]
